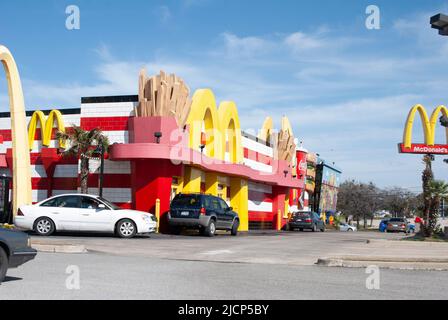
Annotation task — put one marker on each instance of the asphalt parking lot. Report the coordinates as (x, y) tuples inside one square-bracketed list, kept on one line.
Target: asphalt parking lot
[(258, 265), (266, 247)]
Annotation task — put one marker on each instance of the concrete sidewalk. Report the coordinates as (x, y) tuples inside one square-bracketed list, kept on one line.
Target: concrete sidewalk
[(393, 254)]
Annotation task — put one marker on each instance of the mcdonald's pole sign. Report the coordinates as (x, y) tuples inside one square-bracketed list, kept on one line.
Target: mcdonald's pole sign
[(429, 131)]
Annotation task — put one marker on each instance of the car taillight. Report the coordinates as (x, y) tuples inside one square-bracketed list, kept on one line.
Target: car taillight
[(202, 211), (20, 213), (308, 220), (403, 225)]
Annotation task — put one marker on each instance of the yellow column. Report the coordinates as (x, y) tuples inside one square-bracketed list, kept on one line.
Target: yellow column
[(239, 198), (158, 214), (286, 213), (21, 193), (192, 180), (211, 183)]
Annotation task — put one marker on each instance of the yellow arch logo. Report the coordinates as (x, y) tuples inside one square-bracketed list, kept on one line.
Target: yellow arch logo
[(21, 158), (46, 125), (221, 126), (429, 124)]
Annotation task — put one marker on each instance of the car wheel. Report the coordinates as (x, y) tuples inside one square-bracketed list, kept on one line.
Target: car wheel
[(349, 230), (300, 229), (44, 226), (210, 230), (235, 226), (126, 228), (3, 264)]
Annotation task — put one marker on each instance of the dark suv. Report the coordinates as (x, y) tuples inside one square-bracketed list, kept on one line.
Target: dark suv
[(306, 220), (204, 212)]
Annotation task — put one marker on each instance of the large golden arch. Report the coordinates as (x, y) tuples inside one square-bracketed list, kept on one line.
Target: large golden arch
[(230, 131), (21, 157), (428, 124), (203, 112), (46, 125)]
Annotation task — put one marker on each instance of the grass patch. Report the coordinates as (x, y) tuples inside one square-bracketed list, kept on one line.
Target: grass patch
[(434, 238)]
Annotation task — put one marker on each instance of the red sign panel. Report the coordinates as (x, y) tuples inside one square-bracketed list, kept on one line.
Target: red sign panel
[(424, 149)]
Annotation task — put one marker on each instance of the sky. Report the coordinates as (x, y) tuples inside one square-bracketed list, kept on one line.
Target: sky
[(346, 89)]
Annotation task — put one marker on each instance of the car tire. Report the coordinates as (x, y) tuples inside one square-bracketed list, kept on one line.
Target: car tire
[(235, 226), (210, 230), (300, 229), (126, 229), (3, 264), (349, 230), (44, 227)]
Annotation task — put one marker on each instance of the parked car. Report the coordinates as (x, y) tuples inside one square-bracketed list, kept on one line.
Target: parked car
[(397, 225), (86, 213), (15, 250), (204, 212), (383, 225), (306, 220), (345, 227)]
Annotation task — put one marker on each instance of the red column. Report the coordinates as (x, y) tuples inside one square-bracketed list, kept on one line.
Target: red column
[(151, 180), (278, 203)]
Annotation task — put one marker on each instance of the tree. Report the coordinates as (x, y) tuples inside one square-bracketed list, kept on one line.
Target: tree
[(437, 190), (359, 200), (427, 178), (83, 145), (400, 202)]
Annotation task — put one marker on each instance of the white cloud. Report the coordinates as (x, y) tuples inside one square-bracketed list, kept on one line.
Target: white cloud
[(244, 46), (300, 41)]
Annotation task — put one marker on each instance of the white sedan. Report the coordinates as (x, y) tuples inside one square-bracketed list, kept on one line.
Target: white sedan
[(84, 213), (346, 227)]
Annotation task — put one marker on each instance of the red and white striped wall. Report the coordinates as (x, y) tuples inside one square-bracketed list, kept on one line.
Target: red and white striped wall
[(260, 202)]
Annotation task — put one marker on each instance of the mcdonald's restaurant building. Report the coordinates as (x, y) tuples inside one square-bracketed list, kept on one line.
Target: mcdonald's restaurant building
[(155, 155)]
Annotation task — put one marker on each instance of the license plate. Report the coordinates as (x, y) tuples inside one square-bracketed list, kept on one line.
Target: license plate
[(395, 225), (299, 220), (185, 213)]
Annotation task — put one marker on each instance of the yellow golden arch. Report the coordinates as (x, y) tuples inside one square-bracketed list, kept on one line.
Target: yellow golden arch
[(46, 125), (21, 157), (221, 126), (428, 123)]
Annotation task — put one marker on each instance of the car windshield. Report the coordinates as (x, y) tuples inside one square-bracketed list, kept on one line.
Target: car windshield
[(186, 200), (109, 204)]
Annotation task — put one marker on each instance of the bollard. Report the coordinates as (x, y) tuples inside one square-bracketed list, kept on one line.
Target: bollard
[(279, 220), (158, 214)]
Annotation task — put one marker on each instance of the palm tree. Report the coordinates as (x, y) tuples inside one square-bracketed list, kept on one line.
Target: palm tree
[(438, 190), (427, 178), (83, 145)]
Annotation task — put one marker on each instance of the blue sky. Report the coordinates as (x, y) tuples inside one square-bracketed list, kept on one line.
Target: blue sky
[(346, 89)]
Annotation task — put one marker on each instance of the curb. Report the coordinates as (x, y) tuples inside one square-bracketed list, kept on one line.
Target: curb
[(51, 248), (429, 264)]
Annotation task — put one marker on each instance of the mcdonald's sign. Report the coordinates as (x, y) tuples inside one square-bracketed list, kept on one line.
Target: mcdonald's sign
[(46, 125), (429, 130)]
